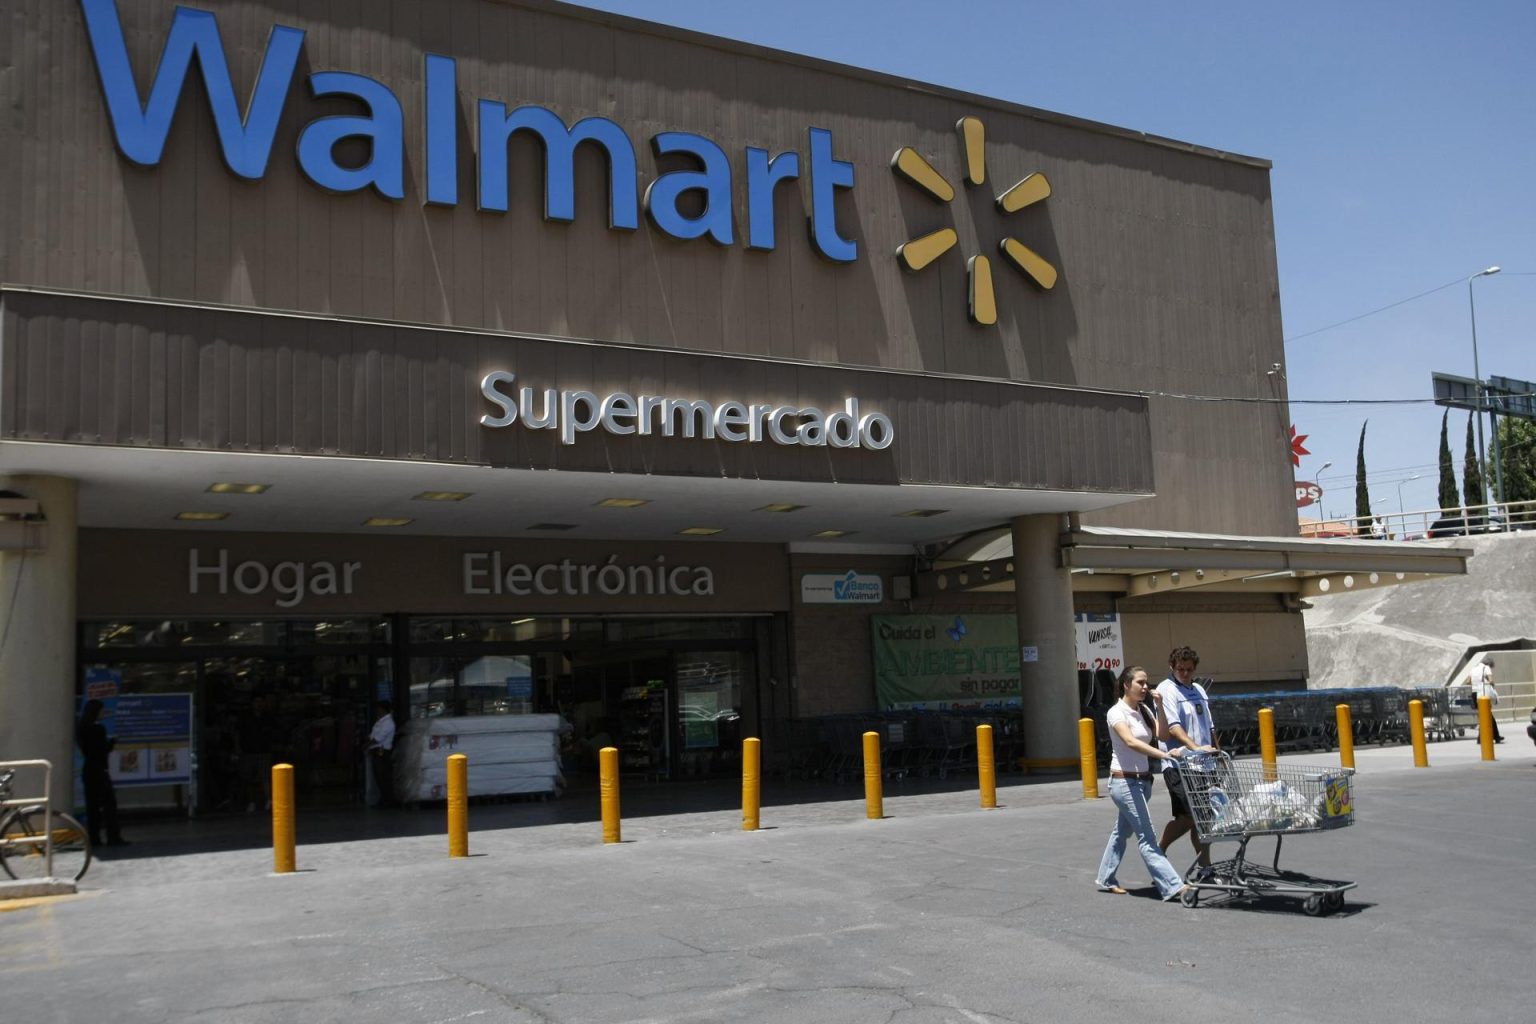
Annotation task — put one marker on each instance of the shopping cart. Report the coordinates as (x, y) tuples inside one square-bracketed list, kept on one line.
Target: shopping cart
[(1234, 801)]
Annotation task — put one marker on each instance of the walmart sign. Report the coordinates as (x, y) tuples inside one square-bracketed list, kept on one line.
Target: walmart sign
[(141, 126)]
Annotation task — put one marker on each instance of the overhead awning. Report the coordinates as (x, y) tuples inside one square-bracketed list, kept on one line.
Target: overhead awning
[(1140, 563)]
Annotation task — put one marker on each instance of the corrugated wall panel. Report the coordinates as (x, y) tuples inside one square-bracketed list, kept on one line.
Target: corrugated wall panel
[(238, 381), (1166, 257)]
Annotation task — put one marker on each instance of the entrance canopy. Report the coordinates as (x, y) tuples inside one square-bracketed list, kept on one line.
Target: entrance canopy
[(1139, 563)]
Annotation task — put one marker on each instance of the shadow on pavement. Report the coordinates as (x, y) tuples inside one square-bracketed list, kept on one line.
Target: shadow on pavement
[(164, 836)]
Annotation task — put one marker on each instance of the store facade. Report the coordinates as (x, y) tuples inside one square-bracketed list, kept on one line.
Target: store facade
[(508, 356)]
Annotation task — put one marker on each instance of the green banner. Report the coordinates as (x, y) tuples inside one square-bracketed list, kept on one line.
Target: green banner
[(939, 662)]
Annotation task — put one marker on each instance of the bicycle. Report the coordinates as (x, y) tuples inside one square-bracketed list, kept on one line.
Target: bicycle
[(24, 845)]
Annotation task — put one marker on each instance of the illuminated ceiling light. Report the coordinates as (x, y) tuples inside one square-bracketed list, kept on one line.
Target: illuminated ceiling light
[(923, 250), (386, 521), (201, 517), (700, 531), (441, 496), (781, 507), (922, 513), (623, 502), (829, 534), (228, 488)]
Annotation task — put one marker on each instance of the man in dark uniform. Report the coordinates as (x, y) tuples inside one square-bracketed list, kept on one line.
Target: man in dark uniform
[(100, 798)]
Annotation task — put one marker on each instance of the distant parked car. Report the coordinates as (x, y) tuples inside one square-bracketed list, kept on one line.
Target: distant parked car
[(1464, 526)]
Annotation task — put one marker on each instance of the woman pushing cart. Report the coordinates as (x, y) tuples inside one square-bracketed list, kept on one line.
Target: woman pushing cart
[(1234, 801)]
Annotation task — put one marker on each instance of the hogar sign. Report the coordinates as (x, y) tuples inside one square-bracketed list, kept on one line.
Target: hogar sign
[(141, 127)]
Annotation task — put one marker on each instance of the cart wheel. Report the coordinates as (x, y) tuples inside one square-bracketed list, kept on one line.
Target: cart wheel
[(1190, 896), (1333, 902), (1313, 905)]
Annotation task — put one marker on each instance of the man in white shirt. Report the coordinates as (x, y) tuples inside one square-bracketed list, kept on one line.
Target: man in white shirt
[(1481, 678), (381, 754), (1185, 710)]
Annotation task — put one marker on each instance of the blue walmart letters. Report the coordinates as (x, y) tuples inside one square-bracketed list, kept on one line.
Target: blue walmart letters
[(142, 127)]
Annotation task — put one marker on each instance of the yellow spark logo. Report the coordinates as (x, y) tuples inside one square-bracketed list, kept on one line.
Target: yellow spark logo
[(923, 250)]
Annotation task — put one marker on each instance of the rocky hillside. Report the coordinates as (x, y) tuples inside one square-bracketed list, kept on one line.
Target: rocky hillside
[(1414, 634)]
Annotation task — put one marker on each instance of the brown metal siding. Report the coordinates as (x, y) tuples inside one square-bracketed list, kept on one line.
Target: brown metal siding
[(258, 382), (1167, 257)]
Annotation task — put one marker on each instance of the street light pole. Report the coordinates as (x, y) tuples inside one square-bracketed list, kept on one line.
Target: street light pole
[(1320, 486), (1477, 400), (1400, 491)]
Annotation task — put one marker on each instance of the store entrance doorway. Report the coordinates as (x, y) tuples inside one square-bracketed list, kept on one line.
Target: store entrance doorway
[(312, 712), (671, 713)]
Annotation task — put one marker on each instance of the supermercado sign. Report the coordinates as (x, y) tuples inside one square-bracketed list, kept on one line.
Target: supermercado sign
[(570, 413), (247, 130)]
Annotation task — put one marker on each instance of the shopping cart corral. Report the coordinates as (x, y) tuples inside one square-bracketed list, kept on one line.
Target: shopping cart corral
[(1236, 801)]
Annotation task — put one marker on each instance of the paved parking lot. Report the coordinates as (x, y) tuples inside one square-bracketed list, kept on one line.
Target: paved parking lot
[(941, 912)]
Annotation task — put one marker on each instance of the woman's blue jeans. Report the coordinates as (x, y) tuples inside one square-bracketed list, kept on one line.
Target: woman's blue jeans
[(1130, 797)]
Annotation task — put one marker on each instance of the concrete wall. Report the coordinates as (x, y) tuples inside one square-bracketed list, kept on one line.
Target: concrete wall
[(1415, 634)]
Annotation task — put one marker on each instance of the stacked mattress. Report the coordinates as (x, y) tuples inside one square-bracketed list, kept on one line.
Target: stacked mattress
[(508, 754)]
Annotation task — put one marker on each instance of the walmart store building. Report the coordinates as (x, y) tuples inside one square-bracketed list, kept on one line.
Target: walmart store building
[(505, 356)]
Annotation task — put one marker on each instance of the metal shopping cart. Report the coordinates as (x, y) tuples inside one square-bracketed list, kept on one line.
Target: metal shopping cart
[(1234, 801)]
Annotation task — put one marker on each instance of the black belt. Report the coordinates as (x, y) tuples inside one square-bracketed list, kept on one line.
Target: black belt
[(1130, 775)]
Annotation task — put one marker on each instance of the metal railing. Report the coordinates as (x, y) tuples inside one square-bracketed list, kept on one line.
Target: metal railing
[(1431, 523), (8, 773)]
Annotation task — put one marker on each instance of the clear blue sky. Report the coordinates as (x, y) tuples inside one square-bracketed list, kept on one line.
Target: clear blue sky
[(1403, 136)]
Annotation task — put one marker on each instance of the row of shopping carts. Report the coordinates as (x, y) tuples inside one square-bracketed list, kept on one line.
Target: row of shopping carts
[(935, 744), (1308, 719), (919, 744)]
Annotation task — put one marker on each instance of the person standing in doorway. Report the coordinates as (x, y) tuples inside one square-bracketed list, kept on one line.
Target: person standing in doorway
[(381, 753), (100, 797), (1481, 678), (1184, 711)]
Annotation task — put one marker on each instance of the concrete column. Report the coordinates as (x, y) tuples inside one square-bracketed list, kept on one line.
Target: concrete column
[(1047, 638), (37, 624)]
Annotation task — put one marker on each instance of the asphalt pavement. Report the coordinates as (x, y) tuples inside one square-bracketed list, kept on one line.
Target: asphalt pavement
[(939, 912)]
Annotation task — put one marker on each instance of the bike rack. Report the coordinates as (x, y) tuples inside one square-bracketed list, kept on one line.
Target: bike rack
[(30, 801)]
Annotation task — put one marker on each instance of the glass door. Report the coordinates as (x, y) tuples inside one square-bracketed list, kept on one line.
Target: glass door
[(710, 685)]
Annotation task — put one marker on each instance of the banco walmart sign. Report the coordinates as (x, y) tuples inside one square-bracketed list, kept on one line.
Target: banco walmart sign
[(141, 127)]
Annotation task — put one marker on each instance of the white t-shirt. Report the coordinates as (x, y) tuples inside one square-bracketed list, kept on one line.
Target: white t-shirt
[(1187, 707), (383, 732), (1122, 758), (1481, 678)]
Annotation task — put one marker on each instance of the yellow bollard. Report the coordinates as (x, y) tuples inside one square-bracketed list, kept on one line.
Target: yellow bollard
[(1267, 743), (284, 859), (1346, 736), (986, 766), (1090, 763), (1485, 726), (1416, 731), (751, 782), (458, 805), (608, 788), (874, 805)]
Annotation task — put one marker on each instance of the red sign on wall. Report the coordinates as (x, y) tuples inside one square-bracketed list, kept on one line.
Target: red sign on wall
[(1307, 493), (1297, 450)]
